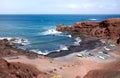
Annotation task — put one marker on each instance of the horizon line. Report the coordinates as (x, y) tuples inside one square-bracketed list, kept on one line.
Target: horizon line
[(59, 14)]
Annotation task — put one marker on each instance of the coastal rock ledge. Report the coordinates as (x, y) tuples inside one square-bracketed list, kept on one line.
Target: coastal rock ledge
[(107, 29)]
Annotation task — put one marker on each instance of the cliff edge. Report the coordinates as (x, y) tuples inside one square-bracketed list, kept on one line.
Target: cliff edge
[(107, 29)]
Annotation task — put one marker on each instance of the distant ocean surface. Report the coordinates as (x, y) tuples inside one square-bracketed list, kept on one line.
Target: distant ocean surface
[(39, 30)]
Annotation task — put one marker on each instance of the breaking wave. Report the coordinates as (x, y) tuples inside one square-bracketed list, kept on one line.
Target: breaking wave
[(39, 52), (78, 40), (92, 19), (50, 32), (17, 40), (63, 47), (53, 32)]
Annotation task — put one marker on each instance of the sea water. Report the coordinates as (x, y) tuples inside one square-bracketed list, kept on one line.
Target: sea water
[(39, 30)]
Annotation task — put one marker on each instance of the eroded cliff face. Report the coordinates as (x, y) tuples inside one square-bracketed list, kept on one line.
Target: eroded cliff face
[(103, 74), (110, 70), (108, 29), (17, 70), (112, 28)]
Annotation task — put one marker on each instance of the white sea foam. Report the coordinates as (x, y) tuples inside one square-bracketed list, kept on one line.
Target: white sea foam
[(63, 47), (55, 33), (70, 36), (8, 38), (21, 41), (50, 32), (58, 50), (78, 40), (93, 19), (76, 43), (39, 52), (65, 35), (16, 40)]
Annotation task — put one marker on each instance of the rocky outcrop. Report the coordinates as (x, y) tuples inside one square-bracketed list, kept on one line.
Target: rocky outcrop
[(9, 49), (17, 70), (63, 28), (103, 74), (110, 70), (108, 29), (111, 28)]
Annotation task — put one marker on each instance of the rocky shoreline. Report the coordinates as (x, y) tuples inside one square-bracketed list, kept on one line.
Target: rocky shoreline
[(84, 45), (8, 48), (91, 33), (16, 69)]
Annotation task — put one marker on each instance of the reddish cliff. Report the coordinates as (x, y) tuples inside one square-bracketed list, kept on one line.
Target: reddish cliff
[(103, 74), (19, 70), (108, 29)]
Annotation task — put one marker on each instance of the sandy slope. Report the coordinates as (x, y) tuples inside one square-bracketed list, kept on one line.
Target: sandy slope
[(71, 66), (68, 66)]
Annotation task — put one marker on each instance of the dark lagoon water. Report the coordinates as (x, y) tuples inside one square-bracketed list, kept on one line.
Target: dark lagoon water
[(39, 30)]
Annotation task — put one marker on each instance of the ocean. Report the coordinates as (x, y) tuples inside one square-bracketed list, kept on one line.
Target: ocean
[(39, 30)]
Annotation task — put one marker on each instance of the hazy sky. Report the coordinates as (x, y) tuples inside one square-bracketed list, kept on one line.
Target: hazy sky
[(59, 6)]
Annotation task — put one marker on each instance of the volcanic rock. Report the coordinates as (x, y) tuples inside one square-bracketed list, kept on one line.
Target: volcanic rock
[(103, 74), (108, 29), (17, 70), (9, 49), (62, 28)]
